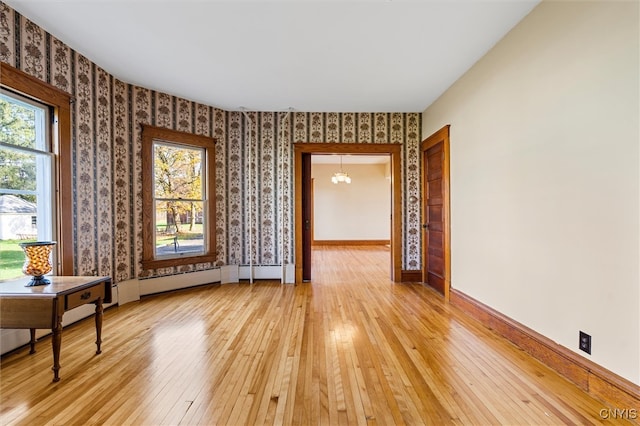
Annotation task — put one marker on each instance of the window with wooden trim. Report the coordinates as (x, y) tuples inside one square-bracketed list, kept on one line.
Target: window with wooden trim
[(43, 151), (178, 202)]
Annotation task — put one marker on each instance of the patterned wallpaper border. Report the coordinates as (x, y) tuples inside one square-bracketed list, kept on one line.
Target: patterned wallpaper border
[(106, 119)]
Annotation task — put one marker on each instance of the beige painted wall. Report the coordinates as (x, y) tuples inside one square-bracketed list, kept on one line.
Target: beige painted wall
[(545, 183), (357, 211)]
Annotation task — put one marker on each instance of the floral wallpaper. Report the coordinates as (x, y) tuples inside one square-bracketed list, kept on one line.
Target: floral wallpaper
[(106, 132)]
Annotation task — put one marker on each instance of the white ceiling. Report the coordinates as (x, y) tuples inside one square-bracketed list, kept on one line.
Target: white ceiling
[(273, 55)]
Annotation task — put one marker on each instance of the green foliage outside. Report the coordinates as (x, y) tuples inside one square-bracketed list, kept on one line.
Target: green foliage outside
[(17, 171), (17, 127), (178, 179), (11, 259)]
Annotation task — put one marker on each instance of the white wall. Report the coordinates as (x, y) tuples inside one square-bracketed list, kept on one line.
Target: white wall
[(545, 184), (360, 210)]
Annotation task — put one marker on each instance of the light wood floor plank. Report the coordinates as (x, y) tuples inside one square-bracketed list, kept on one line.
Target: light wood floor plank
[(349, 348)]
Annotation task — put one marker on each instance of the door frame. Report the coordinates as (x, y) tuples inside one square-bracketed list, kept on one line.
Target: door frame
[(441, 135), (394, 151)]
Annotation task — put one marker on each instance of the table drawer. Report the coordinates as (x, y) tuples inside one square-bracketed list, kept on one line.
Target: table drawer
[(84, 296)]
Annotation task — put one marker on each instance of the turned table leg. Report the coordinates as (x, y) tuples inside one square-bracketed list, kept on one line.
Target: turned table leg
[(32, 342), (99, 311), (56, 341)]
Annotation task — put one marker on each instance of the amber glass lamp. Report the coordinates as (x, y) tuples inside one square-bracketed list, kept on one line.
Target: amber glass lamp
[(36, 261)]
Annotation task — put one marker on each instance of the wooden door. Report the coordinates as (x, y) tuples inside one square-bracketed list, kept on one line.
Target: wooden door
[(307, 219), (435, 251)]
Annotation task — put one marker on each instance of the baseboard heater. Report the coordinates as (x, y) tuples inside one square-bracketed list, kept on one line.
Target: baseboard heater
[(226, 274)]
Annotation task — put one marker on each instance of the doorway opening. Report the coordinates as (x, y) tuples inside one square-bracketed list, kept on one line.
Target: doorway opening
[(304, 235), (350, 210)]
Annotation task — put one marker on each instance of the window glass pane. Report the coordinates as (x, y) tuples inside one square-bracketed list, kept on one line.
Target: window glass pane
[(22, 123), (179, 207), (177, 172), (179, 228), (26, 176), (17, 171)]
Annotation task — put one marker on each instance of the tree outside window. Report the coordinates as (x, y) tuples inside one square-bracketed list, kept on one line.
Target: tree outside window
[(36, 159), (26, 179), (178, 201)]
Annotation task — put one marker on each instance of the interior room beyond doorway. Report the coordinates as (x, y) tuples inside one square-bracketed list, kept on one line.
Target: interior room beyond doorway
[(354, 213), (351, 202)]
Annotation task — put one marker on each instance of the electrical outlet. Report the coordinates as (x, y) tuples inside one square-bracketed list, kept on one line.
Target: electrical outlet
[(585, 342)]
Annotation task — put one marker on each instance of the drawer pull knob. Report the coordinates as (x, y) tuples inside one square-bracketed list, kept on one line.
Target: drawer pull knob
[(85, 295)]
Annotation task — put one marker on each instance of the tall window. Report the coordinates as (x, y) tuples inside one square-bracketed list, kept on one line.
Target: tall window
[(26, 178), (178, 198), (35, 168)]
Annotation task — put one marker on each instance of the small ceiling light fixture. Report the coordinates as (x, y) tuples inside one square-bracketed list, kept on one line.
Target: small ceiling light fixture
[(340, 176)]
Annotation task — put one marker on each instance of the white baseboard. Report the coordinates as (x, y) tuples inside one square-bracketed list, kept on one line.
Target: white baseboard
[(290, 273), (128, 291), (260, 272), (131, 290), (269, 272), (178, 281), (11, 339), (229, 274)]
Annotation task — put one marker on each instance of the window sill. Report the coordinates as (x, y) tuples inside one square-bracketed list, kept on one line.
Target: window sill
[(177, 261)]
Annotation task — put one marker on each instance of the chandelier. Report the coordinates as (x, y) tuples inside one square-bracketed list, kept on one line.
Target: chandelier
[(340, 176)]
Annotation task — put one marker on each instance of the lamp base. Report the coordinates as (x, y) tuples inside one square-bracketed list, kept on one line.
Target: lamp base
[(38, 280)]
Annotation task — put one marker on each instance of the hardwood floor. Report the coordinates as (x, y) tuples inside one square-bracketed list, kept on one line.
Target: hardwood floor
[(350, 347)]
